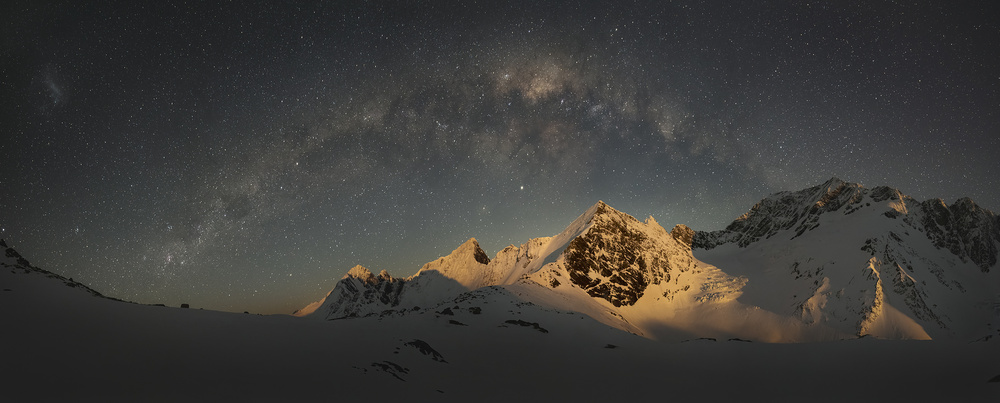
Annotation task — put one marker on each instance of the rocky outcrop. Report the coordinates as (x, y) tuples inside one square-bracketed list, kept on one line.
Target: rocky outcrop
[(798, 211), (965, 229), (619, 257), (361, 293), (16, 263)]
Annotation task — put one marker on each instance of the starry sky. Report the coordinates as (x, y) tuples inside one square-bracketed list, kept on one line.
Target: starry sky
[(244, 155)]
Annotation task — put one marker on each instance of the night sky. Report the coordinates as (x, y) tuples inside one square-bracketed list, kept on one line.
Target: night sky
[(244, 156)]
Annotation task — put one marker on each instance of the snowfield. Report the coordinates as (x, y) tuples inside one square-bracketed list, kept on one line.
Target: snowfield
[(66, 345), (832, 293)]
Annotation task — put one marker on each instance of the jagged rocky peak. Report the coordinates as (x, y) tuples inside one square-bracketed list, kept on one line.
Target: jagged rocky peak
[(618, 256), (682, 234), (964, 228), (13, 260), (364, 275), (835, 193), (361, 273), (467, 254), (798, 210), (477, 252), (11, 253)]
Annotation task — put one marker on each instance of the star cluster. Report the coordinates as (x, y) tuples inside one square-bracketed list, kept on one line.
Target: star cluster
[(243, 156)]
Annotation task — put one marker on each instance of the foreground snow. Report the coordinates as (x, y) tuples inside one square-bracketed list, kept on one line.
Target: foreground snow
[(612, 308), (64, 344), (832, 262)]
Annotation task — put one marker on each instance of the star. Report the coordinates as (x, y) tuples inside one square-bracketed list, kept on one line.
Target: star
[(292, 142)]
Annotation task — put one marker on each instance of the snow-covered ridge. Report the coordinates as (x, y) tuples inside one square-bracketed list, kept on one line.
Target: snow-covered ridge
[(468, 268), (966, 230), (17, 264), (832, 261), (866, 261)]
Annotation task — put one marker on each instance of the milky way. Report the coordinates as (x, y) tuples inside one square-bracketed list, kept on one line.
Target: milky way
[(244, 156)]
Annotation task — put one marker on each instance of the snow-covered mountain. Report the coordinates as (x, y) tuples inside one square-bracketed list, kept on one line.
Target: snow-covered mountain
[(830, 262), (18, 271), (538, 319), (866, 261), (64, 344)]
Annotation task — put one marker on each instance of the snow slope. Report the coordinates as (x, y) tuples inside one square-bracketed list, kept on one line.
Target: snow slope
[(865, 261), (66, 344), (830, 262)]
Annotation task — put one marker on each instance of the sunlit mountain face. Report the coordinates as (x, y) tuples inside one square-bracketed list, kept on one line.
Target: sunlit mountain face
[(784, 299), (232, 157), (830, 262), (492, 200)]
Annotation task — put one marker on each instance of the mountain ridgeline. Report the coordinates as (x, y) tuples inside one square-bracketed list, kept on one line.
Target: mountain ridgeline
[(829, 262), (969, 232), (605, 253)]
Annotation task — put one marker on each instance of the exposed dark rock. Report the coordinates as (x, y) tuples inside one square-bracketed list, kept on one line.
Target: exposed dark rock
[(425, 349), (520, 322), (455, 322), (26, 267), (798, 211), (392, 368), (359, 290), (965, 229), (480, 255), (681, 233), (616, 261)]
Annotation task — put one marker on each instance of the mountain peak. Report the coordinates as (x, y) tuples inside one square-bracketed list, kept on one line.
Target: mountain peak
[(472, 247), (833, 182), (361, 273), (601, 209), (598, 208), (683, 234)]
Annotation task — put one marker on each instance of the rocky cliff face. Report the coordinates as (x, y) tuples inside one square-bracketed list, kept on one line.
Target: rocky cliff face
[(828, 262), (607, 253), (361, 293), (924, 266), (798, 211), (619, 257), (964, 229)]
